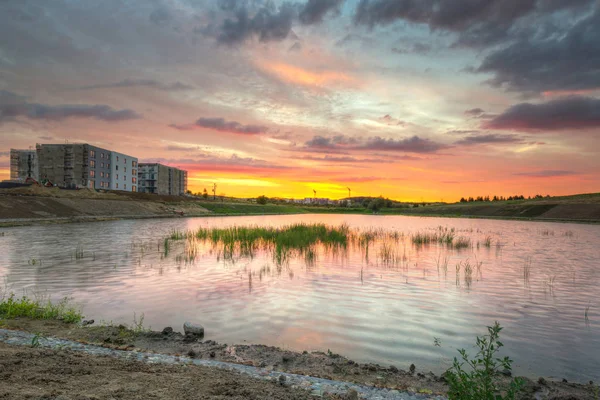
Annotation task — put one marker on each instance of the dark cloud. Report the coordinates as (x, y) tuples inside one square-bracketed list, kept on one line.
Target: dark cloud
[(477, 22), (13, 106), (492, 138), (345, 159), (573, 112), (409, 145), (176, 86), (221, 125), (567, 61), (267, 24), (546, 173), (160, 15), (330, 142), (474, 112), (296, 47), (314, 10), (208, 162)]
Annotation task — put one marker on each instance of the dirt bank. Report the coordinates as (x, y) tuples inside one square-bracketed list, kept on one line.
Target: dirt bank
[(330, 366), (34, 205), (29, 373)]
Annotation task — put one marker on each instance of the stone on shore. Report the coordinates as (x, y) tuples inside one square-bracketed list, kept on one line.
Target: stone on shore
[(193, 329)]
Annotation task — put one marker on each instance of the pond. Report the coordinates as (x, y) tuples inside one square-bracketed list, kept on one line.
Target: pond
[(393, 302)]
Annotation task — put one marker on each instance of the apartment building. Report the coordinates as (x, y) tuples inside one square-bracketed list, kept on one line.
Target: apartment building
[(84, 165), (161, 179), (124, 172), (23, 165)]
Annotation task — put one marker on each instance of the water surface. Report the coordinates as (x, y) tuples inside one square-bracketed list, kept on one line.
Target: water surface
[(356, 304)]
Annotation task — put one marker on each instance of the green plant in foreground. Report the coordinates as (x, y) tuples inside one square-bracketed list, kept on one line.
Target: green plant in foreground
[(476, 379), (35, 341), (12, 307)]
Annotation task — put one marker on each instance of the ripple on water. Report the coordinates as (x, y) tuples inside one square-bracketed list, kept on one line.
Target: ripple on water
[(369, 310)]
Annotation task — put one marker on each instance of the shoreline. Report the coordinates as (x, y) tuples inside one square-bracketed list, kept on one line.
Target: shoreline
[(320, 365), (18, 222)]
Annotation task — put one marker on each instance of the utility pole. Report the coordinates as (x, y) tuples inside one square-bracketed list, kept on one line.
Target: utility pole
[(349, 193)]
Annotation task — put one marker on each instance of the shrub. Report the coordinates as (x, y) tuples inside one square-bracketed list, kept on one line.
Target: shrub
[(478, 381), (262, 200)]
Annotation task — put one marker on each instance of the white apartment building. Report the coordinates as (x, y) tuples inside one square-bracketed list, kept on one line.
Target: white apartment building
[(123, 172)]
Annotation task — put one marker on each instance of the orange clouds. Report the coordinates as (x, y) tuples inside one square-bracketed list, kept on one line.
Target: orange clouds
[(297, 75)]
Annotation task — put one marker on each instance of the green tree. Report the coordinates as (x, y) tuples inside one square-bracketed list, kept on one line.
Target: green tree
[(262, 200), (205, 194), (376, 204)]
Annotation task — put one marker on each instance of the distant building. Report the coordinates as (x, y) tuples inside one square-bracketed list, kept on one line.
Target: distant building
[(317, 201), (23, 165), (83, 165), (161, 179)]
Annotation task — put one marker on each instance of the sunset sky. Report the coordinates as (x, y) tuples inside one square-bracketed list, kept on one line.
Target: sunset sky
[(417, 100)]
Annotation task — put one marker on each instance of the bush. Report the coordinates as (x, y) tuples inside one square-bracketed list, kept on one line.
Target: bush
[(262, 200), (478, 381)]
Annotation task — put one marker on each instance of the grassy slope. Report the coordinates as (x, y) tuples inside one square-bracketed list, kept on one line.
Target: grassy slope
[(584, 207)]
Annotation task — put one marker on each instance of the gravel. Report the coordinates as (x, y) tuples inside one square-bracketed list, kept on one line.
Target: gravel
[(317, 386)]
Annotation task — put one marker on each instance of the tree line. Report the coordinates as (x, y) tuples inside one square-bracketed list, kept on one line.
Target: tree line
[(499, 198)]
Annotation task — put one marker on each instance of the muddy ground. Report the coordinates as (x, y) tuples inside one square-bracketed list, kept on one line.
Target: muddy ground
[(330, 366), (36, 374)]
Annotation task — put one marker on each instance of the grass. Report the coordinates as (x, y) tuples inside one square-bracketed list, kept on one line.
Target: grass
[(244, 241), (487, 242), (78, 253), (527, 269), (12, 307)]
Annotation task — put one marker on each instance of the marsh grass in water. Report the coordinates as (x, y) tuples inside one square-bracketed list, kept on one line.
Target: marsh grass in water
[(244, 241)]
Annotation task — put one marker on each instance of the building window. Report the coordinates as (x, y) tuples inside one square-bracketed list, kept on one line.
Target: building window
[(125, 186), (134, 180), (117, 185), (116, 166), (125, 169), (124, 178), (117, 158), (134, 164), (125, 161), (92, 173), (133, 189), (134, 172), (107, 165), (107, 174), (101, 165), (92, 154), (117, 176), (92, 163), (101, 175), (101, 155)]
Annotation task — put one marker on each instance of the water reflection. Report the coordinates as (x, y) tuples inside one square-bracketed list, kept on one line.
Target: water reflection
[(383, 296)]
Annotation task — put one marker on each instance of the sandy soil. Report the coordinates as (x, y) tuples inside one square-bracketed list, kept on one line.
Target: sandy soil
[(28, 373), (330, 366)]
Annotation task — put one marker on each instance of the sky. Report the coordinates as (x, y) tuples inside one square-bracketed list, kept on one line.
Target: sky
[(416, 100)]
